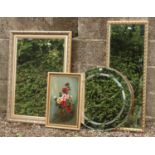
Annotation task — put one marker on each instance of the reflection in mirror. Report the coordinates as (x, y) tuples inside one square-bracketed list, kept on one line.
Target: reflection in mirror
[(35, 56), (127, 54), (108, 98)]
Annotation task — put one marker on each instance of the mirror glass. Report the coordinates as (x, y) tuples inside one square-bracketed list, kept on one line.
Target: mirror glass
[(32, 56), (35, 57), (108, 98), (127, 55)]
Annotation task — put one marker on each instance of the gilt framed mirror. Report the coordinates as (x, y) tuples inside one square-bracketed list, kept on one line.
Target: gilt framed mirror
[(127, 45), (32, 56)]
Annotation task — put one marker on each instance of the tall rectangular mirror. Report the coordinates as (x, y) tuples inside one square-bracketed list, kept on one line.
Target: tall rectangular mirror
[(127, 52), (32, 56)]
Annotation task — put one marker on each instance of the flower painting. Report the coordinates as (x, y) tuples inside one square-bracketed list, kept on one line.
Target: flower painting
[(63, 100)]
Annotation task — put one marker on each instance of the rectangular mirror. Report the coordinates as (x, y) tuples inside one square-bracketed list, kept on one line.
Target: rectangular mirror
[(127, 52), (32, 56)]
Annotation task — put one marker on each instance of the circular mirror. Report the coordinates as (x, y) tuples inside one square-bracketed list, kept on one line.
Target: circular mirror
[(108, 98)]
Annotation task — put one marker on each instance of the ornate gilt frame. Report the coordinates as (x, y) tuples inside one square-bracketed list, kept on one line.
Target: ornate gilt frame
[(145, 23), (66, 35), (80, 77)]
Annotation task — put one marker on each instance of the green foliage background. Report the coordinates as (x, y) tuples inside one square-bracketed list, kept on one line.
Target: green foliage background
[(126, 55), (36, 57), (104, 100), (103, 97)]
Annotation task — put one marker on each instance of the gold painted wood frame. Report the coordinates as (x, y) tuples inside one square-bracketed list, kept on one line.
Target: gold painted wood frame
[(58, 118), (14, 36), (145, 23)]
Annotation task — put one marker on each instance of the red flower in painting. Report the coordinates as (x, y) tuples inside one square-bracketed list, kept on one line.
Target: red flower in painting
[(68, 109), (65, 90), (63, 103)]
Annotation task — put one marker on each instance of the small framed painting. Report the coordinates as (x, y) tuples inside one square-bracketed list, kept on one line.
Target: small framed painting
[(64, 100)]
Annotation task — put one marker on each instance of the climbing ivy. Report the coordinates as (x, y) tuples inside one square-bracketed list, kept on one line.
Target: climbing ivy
[(103, 97), (105, 103), (126, 55), (36, 57)]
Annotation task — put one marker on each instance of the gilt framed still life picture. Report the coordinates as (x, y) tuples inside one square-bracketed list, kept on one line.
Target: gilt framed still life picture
[(64, 100)]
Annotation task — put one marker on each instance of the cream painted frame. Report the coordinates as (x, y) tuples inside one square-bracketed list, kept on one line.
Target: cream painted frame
[(14, 35), (145, 23), (80, 77)]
